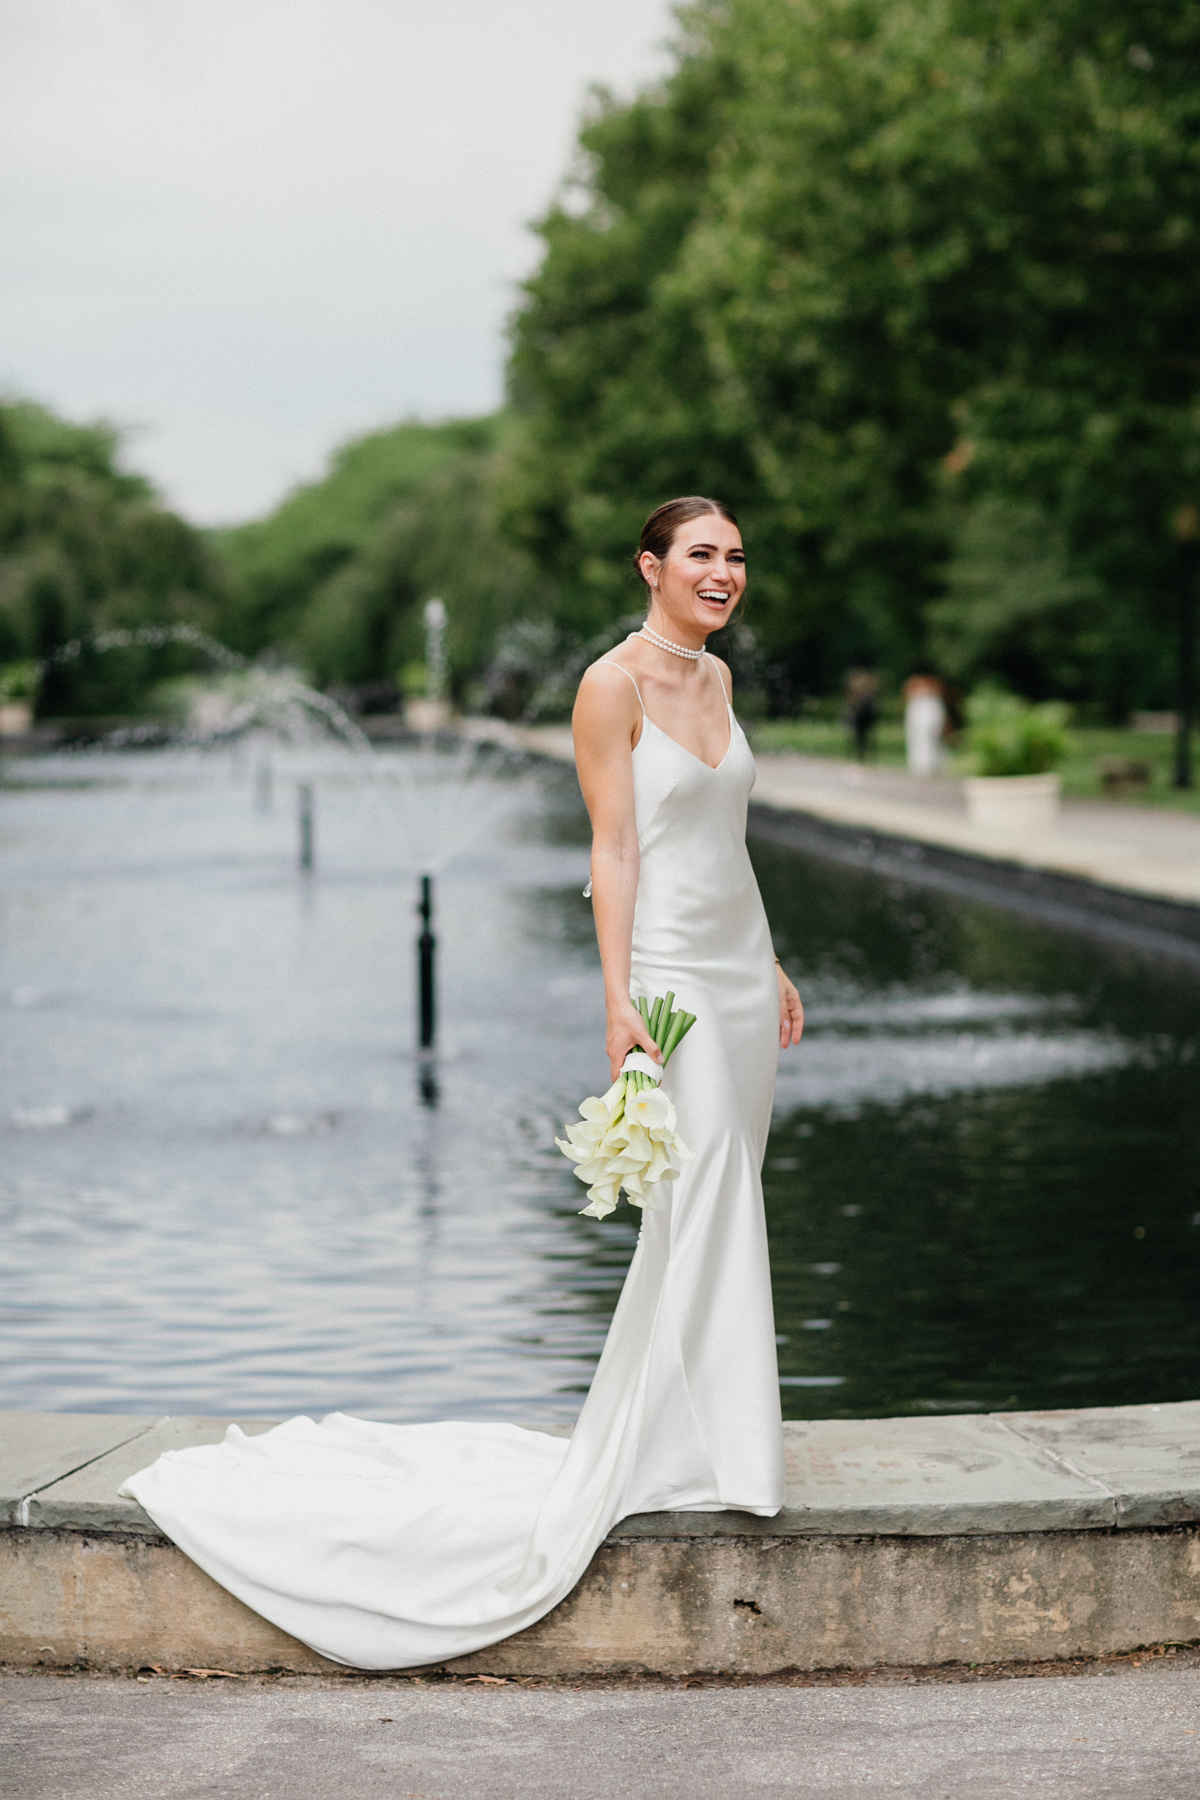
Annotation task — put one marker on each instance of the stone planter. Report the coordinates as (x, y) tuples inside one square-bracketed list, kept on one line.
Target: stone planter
[(16, 718), (1013, 805)]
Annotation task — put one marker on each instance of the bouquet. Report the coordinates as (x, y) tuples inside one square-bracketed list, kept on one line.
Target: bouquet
[(628, 1138)]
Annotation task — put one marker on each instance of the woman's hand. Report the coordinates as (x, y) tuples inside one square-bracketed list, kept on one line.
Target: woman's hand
[(791, 1012), (627, 1030)]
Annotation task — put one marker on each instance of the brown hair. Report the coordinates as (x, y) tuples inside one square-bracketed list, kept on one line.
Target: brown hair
[(659, 531)]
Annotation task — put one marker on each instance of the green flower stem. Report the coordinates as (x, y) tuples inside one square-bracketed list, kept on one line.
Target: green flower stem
[(680, 1025), (667, 1028)]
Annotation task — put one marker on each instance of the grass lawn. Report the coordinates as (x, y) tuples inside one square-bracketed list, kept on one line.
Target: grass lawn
[(1081, 773)]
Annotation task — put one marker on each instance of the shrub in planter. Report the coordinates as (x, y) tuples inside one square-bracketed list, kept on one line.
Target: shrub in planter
[(1010, 737), (19, 683), (20, 680), (1016, 749)]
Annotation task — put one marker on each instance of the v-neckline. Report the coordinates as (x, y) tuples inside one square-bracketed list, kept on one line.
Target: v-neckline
[(712, 768)]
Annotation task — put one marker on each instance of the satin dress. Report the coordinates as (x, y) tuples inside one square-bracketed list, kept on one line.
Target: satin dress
[(398, 1546)]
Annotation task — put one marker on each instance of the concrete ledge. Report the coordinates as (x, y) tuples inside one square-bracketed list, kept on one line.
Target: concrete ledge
[(1131, 874), (984, 1538), (1140, 850), (113, 1601), (1159, 924), (672, 1606), (757, 1605), (1052, 1471), (1002, 1472)]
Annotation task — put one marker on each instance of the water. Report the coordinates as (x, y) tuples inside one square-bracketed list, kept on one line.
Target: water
[(229, 1185), (222, 1189), (992, 1196)]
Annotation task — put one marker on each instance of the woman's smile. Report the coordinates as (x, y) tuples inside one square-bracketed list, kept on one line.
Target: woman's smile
[(714, 597)]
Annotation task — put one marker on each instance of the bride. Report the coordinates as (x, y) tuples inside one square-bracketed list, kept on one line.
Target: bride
[(396, 1546)]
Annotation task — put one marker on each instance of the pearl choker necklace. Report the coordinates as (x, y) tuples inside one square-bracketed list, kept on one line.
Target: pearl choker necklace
[(666, 644)]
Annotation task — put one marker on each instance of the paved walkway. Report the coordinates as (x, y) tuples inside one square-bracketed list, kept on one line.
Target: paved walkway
[(1145, 850), (1141, 849), (1109, 1735)]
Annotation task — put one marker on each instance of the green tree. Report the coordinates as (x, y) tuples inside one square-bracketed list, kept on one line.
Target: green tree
[(337, 576), (86, 546), (920, 254), (1093, 412), (279, 562), (609, 373)]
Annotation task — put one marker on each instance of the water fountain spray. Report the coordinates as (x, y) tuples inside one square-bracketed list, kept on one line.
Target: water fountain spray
[(305, 794), (260, 699), (435, 650)]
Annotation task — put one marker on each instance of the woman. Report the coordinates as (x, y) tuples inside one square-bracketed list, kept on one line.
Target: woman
[(394, 1546), (924, 721)]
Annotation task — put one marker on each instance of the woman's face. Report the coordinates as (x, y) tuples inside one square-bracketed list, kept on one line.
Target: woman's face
[(703, 575)]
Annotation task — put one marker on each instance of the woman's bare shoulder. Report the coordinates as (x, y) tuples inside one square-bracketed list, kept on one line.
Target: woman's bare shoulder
[(606, 703), (610, 660), (608, 676)]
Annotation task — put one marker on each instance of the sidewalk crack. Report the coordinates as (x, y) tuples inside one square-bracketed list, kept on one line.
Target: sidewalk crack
[(23, 1518), (1064, 1462)]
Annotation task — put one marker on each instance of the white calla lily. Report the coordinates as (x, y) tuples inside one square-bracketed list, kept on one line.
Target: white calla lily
[(627, 1139)]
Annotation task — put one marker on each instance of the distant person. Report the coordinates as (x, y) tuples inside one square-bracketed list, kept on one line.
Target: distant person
[(924, 721), (862, 708)]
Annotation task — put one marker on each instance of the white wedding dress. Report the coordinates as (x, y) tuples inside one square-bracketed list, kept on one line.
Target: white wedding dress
[(393, 1546)]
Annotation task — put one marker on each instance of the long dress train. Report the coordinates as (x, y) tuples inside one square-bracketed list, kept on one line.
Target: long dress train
[(394, 1546)]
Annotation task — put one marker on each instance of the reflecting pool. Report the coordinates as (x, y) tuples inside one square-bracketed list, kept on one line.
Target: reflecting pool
[(229, 1183), (983, 1184)]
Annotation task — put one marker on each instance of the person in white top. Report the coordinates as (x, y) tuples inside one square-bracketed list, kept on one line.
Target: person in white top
[(924, 722)]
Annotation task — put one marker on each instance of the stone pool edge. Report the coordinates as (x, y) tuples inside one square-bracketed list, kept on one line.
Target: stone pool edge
[(1155, 924), (1145, 903), (978, 1538)]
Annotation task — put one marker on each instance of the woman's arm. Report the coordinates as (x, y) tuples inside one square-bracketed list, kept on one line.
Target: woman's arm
[(604, 722)]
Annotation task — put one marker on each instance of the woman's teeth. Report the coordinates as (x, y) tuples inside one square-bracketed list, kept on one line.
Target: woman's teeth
[(711, 594)]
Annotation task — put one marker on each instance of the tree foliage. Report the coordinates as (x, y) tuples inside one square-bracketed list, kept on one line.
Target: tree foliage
[(913, 284), (862, 267), (86, 546), (337, 575)]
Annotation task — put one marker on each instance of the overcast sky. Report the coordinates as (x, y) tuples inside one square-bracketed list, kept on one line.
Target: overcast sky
[(252, 228)]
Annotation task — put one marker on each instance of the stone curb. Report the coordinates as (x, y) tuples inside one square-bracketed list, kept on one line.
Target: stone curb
[(1096, 1469), (1148, 897), (993, 1537)]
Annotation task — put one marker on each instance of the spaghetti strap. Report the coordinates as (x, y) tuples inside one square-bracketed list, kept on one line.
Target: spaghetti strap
[(720, 681), (637, 690)]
